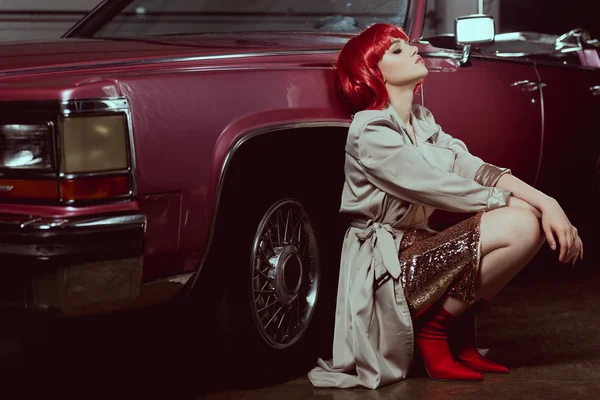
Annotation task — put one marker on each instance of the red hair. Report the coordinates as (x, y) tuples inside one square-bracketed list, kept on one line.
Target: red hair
[(357, 67)]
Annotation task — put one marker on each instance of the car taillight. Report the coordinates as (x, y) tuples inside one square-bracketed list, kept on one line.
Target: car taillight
[(94, 188), (72, 152), (36, 189), (94, 144), (26, 147)]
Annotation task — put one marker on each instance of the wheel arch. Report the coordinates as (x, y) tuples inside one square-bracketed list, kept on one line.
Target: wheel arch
[(329, 135)]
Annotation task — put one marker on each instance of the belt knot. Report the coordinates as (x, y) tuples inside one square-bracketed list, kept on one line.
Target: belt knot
[(381, 237)]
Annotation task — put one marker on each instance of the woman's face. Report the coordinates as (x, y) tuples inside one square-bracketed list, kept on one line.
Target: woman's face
[(401, 65)]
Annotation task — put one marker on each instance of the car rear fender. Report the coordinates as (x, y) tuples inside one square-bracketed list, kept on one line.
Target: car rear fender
[(286, 142)]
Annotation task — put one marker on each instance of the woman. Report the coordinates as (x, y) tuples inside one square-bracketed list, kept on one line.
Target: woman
[(401, 284)]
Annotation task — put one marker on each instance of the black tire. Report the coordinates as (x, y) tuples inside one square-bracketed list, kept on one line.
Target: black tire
[(246, 337), (261, 176), (241, 337)]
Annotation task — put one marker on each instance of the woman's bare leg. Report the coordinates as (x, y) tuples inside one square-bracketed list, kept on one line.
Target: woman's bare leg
[(510, 237)]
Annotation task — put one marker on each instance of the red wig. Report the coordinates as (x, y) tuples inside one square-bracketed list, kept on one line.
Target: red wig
[(357, 67)]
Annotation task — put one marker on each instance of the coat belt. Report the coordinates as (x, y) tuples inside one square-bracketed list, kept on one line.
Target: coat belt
[(381, 237)]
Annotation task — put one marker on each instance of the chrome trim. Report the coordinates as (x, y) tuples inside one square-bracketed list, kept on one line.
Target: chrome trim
[(577, 37), (465, 59), (529, 86), (95, 174), (595, 90), (81, 22), (131, 153), (441, 54), (59, 155), (498, 57), (115, 199), (165, 60), (16, 220), (44, 225), (227, 162), (98, 222), (86, 107), (6, 189), (505, 55), (543, 128), (85, 259), (28, 222), (94, 105), (56, 110), (117, 220), (520, 83)]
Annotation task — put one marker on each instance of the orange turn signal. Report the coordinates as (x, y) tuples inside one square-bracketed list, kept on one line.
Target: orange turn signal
[(94, 188), (28, 189)]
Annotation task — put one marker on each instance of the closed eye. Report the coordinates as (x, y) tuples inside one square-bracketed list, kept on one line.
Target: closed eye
[(397, 51)]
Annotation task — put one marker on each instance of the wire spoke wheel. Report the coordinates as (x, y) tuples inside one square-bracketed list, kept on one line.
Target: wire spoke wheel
[(285, 272)]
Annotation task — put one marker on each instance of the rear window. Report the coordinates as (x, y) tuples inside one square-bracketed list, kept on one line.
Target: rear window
[(170, 17)]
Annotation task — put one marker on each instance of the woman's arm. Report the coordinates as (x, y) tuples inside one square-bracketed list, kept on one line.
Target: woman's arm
[(466, 164), (398, 168), (523, 191), (554, 219), (518, 203)]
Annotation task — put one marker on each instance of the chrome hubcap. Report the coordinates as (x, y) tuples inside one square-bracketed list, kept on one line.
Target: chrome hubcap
[(285, 274)]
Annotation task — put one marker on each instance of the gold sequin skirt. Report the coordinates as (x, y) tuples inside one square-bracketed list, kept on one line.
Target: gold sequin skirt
[(437, 264)]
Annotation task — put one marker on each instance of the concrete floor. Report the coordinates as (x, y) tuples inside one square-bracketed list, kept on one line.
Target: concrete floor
[(545, 326)]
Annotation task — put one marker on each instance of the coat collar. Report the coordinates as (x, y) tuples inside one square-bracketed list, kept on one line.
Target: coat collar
[(422, 128)]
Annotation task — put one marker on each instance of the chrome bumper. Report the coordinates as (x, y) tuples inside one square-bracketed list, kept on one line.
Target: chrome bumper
[(71, 266)]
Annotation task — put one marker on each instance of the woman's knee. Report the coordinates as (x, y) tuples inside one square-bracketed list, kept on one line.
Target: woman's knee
[(524, 226), (509, 226)]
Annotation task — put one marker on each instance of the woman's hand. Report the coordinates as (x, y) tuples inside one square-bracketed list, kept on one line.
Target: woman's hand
[(555, 222)]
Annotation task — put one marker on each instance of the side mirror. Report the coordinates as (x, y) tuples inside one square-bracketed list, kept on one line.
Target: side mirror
[(473, 29)]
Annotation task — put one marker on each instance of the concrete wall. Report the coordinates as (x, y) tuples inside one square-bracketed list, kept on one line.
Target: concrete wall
[(40, 19)]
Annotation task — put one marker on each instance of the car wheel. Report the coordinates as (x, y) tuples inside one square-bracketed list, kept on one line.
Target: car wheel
[(269, 309), (284, 274)]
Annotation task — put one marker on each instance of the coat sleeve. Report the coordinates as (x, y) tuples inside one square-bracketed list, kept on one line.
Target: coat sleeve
[(398, 168), (469, 166), (466, 164)]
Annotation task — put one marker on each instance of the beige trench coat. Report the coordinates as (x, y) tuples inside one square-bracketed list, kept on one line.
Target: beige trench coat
[(390, 184)]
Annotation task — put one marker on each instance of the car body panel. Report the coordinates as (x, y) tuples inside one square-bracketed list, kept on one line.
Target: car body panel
[(193, 99), (502, 124), (571, 140), (29, 57)]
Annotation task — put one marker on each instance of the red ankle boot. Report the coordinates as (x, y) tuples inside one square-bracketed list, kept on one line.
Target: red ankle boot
[(432, 341), (464, 344)]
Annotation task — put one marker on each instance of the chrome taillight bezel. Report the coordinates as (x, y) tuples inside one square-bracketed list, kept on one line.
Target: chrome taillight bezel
[(53, 113)]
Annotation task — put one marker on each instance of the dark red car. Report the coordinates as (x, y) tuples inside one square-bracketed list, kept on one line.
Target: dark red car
[(198, 148)]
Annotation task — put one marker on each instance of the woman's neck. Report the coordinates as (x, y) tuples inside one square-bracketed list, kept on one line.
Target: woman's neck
[(401, 99)]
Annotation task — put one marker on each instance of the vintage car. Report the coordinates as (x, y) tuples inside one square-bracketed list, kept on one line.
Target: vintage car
[(194, 150)]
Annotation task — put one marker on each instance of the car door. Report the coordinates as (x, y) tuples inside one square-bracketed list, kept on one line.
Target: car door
[(493, 105), (569, 167)]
